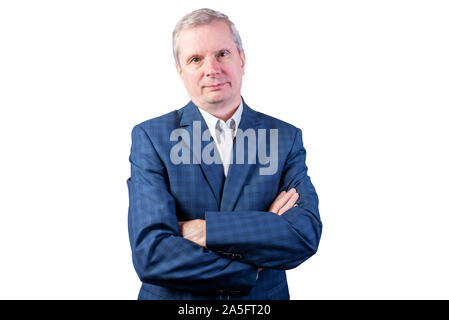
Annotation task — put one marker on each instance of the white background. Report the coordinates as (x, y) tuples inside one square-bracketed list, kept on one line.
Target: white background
[(366, 81)]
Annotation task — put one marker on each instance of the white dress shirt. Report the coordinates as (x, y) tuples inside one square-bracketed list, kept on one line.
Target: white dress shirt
[(223, 133)]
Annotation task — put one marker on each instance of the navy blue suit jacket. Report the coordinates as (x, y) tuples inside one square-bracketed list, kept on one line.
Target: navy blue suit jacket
[(241, 235)]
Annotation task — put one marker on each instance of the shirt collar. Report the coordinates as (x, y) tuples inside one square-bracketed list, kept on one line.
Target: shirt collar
[(211, 120)]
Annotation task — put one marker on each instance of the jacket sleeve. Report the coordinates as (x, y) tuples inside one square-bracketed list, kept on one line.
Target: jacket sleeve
[(267, 239), (160, 254)]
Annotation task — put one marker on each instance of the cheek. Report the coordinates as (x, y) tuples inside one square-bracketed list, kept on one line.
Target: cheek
[(192, 81), (234, 72)]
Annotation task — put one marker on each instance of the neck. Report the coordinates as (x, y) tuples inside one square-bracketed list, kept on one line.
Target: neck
[(220, 110)]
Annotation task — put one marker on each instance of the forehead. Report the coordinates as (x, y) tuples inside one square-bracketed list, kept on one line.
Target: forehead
[(204, 38)]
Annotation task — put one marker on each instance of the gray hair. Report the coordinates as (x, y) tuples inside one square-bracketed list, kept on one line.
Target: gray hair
[(203, 17)]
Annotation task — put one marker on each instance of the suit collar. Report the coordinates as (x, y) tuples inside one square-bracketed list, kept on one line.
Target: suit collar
[(189, 114)]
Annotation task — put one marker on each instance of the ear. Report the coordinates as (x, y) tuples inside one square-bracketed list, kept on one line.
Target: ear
[(178, 69), (243, 58)]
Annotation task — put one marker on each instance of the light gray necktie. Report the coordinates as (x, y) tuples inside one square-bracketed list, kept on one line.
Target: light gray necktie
[(225, 141)]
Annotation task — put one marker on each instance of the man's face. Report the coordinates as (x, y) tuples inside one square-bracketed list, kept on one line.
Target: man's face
[(210, 65)]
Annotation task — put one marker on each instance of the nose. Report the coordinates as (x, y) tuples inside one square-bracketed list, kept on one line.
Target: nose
[(212, 67)]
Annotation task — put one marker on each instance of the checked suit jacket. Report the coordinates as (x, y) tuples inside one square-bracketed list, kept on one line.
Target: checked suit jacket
[(241, 235)]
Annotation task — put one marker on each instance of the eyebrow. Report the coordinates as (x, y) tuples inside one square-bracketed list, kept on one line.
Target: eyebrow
[(196, 54)]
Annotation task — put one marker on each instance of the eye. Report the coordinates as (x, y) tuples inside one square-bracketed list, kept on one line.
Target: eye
[(195, 60), (223, 54)]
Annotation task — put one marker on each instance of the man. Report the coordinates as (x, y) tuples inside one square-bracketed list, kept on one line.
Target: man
[(227, 228)]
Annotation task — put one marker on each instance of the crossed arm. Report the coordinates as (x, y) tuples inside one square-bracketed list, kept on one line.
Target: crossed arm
[(282, 237), (161, 256), (164, 255), (195, 230), (280, 241)]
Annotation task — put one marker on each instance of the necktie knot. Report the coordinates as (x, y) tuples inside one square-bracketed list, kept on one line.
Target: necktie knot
[(220, 128)]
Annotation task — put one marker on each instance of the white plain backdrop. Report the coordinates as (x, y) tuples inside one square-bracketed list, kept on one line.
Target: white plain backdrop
[(366, 81)]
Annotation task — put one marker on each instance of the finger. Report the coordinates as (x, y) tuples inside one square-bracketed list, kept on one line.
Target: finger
[(280, 195), (279, 203), (290, 203), (272, 206), (285, 197)]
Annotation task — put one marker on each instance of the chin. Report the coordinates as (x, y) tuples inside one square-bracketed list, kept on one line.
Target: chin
[(216, 98), (214, 102)]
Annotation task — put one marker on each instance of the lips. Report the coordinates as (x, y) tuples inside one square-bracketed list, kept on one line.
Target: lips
[(215, 86)]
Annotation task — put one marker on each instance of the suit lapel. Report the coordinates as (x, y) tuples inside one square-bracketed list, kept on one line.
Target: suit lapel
[(212, 172)]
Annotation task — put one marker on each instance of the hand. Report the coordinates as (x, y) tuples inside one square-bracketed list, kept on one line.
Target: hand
[(284, 201), (194, 230)]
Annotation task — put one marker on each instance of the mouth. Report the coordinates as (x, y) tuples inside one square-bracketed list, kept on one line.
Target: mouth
[(216, 86)]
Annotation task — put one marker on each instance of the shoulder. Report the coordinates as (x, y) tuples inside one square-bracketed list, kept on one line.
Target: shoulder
[(160, 127), (284, 128), (286, 134), (163, 123)]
